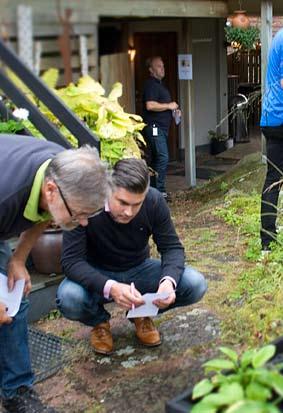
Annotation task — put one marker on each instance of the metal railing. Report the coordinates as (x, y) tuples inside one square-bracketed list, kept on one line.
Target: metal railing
[(47, 97)]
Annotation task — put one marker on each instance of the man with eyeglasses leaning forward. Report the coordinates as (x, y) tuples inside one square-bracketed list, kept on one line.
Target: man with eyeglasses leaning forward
[(40, 182), (101, 260)]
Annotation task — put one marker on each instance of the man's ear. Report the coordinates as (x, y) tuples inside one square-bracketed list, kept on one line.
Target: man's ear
[(50, 190), (150, 70)]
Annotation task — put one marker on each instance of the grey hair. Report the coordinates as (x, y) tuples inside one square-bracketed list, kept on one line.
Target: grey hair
[(82, 176), (131, 174)]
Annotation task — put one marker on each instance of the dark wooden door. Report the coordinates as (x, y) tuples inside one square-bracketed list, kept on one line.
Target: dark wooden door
[(163, 44)]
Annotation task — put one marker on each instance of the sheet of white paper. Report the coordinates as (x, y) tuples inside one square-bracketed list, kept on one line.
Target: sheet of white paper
[(148, 309), (11, 299)]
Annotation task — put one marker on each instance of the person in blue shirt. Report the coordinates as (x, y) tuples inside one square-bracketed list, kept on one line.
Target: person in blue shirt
[(272, 127)]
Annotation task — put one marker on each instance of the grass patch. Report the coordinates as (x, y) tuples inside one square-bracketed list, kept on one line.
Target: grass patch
[(224, 239)]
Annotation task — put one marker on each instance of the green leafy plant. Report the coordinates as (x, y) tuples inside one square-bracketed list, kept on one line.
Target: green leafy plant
[(242, 39), (216, 136), (118, 131), (11, 126), (242, 384)]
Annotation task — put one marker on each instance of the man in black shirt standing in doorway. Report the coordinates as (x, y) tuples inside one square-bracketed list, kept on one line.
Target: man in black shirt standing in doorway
[(158, 109)]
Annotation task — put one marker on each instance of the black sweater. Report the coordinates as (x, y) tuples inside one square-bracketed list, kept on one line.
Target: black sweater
[(116, 247)]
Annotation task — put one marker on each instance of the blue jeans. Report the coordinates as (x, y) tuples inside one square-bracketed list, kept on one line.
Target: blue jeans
[(76, 303), (15, 365), (159, 155)]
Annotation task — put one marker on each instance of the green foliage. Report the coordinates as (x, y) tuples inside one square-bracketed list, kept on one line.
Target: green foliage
[(32, 129), (11, 126), (119, 132), (249, 385), (53, 315), (243, 211), (224, 186), (257, 295), (243, 39)]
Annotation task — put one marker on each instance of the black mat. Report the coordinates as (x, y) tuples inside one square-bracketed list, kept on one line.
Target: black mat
[(48, 353)]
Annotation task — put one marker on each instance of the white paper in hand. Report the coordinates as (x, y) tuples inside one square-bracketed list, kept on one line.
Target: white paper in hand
[(148, 309), (12, 299)]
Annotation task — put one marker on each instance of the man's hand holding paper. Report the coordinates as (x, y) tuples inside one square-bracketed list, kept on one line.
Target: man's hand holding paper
[(166, 287), (11, 299), (4, 318)]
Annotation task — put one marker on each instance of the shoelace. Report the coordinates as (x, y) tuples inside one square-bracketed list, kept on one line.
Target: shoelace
[(147, 324), (101, 332)]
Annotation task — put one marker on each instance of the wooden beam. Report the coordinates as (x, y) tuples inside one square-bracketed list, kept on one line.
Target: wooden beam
[(86, 11), (162, 8), (266, 38)]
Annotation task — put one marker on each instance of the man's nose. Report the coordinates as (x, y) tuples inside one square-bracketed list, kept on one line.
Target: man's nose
[(129, 211)]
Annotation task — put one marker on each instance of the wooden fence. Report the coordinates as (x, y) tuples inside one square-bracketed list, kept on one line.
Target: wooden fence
[(244, 76), (246, 65)]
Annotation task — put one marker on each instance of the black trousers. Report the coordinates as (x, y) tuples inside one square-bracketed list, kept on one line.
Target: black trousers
[(269, 198)]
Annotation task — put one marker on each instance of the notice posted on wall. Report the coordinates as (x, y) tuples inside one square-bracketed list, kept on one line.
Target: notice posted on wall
[(185, 66)]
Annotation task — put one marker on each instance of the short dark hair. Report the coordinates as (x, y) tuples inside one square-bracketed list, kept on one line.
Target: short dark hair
[(149, 60), (131, 174)]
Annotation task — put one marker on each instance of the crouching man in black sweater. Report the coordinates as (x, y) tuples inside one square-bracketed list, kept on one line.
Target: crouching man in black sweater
[(103, 259)]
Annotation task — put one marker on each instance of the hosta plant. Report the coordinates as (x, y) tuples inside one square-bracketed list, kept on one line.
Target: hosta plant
[(118, 131), (243, 384)]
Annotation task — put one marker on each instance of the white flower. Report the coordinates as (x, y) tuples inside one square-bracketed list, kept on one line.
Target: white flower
[(21, 113), (1, 98)]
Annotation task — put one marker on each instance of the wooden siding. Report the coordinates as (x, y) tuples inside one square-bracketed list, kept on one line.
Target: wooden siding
[(51, 57)]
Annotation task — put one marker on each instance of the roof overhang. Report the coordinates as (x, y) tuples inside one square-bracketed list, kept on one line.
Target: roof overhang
[(253, 7)]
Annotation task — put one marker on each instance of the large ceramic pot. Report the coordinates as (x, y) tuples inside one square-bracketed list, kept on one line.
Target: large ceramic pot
[(240, 19), (46, 253)]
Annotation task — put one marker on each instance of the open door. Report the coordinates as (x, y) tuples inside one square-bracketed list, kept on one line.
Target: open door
[(163, 44), (117, 68)]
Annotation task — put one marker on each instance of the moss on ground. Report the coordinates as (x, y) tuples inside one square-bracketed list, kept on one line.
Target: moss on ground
[(221, 237)]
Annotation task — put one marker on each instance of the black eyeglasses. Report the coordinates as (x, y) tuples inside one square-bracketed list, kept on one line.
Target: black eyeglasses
[(65, 201), (76, 217)]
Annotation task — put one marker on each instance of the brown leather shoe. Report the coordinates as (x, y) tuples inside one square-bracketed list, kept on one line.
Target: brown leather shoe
[(101, 338), (146, 332)]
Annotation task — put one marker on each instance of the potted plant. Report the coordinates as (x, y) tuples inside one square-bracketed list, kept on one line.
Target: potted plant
[(250, 383), (243, 39), (218, 142)]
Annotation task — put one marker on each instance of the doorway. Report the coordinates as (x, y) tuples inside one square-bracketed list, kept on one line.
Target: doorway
[(163, 44)]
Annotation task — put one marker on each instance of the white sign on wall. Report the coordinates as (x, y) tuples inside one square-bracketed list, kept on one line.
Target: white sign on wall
[(185, 67)]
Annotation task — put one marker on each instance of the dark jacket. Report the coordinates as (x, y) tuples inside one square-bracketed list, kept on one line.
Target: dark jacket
[(20, 158)]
